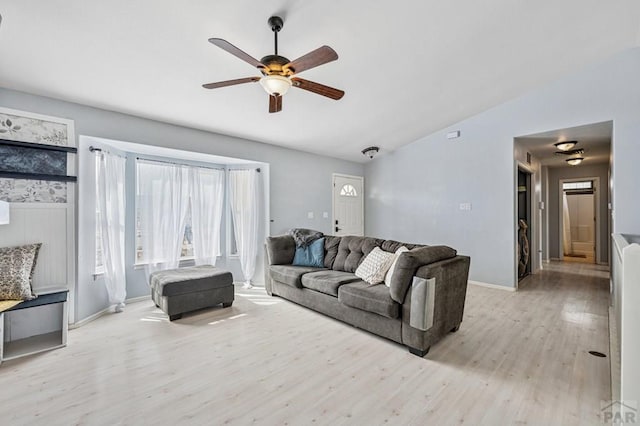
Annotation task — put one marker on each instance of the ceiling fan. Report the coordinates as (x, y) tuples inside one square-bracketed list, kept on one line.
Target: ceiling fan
[(278, 72)]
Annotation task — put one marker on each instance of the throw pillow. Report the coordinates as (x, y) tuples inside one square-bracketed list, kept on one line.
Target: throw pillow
[(387, 278), (17, 265), (311, 255), (374, 267)]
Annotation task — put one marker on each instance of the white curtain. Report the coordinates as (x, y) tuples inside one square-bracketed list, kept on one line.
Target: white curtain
[(245, 205), (163, 200), (206, 187), (111, 213), (566, 226)]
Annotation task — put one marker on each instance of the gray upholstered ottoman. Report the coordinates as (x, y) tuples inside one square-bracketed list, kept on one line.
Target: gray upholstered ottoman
[(177, 291)]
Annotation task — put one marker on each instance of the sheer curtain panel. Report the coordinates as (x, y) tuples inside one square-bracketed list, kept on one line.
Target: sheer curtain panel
[(206, 187), (163, 200), (111, 213), (245, 205), (566, 226)]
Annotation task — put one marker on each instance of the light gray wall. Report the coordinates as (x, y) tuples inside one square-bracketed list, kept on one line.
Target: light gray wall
[(413, 193), (299, 182), (584, 170)]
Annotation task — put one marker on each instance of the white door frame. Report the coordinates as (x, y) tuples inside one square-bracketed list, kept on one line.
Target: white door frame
[(333, 199), (596, 191)]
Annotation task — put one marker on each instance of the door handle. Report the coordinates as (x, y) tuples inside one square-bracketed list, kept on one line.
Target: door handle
[(338, 229)]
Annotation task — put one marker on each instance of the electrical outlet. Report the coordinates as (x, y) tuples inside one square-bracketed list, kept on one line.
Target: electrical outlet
[(465, 206)]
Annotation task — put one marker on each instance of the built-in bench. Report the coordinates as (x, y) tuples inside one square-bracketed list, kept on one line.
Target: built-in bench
[(41, 335)]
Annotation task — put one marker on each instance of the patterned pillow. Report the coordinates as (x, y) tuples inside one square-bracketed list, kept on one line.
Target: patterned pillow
[(17, 265), (374, 267)]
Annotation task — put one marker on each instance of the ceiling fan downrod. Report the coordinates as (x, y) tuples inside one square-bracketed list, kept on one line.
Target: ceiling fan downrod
[(276, 23)]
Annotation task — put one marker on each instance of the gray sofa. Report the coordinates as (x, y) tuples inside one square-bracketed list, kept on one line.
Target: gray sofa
[(423, 302)]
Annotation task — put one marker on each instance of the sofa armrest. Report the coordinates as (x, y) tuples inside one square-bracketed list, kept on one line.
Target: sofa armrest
[(409, 262), (280, 250), (442, 306), (451, 277)]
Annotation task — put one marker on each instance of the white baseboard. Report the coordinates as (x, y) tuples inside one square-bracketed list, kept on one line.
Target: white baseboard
[(90, 318), (105, 311), (137, 299), (493, 286)]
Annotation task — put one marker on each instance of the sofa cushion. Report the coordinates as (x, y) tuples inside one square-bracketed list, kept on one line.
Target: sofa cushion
[(398, 252), (331, 244), (393, 246), (407, 264), (281, 249), (352, 250), (290, 275), (327, 282), (371, 298)]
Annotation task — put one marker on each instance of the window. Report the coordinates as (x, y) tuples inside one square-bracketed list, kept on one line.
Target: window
[(187, 239), (168, 194), (99, 260), (577, 185), (348, 190)]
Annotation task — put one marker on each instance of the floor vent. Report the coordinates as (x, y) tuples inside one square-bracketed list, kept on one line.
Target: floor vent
[(598, 354)]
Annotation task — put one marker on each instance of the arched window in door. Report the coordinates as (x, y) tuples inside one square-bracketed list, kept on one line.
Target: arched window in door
[(348, 191)]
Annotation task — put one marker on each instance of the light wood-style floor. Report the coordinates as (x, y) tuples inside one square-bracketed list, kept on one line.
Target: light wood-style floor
[(519, 358)]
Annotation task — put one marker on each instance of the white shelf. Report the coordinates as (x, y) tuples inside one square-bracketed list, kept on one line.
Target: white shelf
[(32, 345)]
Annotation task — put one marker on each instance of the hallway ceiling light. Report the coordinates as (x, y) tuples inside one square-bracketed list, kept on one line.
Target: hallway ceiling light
[(571, 152), (565, 145), (574, 161)]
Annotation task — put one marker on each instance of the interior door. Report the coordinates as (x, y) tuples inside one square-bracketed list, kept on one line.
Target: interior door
[(348, 205)]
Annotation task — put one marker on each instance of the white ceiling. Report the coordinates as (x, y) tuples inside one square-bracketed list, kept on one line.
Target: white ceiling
[(595, 139), (408, 68)]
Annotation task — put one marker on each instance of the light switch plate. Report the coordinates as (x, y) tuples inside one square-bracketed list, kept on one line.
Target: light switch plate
[(325, 215), (310, 215)]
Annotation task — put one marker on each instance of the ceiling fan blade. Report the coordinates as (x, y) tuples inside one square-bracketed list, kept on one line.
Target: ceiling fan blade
[(320, 56), (318, 88), (230, 82), (275, 103), (225, 45)]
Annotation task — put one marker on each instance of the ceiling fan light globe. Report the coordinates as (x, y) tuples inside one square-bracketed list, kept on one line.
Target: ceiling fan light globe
[(275, 85)]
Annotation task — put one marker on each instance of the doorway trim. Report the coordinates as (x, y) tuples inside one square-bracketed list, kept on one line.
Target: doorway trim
[(333, 200), (596, 190)]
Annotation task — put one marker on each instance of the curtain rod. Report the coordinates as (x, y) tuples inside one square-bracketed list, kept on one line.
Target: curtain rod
[(178, 164), (94, 149), (257, 170)]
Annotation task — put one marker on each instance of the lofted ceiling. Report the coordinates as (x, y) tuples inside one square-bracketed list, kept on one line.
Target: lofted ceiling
[(408, 68), (594, 138)]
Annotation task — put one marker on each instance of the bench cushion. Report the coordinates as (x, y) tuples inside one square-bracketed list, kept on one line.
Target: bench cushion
[(189, 280), (327, 282), (370, 298), (291, 275)]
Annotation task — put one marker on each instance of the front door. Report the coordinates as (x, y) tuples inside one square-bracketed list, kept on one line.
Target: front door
[(348, 205)]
